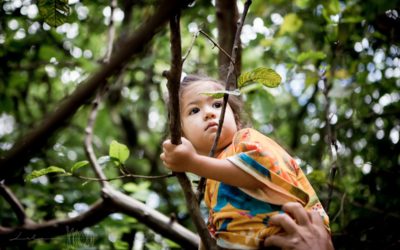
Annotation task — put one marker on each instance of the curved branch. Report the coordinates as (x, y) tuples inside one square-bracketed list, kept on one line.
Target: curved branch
[(34, 140), (113, 201), (155, 220), (14, 203), (53, 228), (88, 141)]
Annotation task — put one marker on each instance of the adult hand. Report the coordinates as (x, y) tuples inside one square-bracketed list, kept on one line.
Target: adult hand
[(303, 230), (178, 158)]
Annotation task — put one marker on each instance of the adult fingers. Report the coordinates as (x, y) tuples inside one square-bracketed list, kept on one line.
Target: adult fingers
[(316, 218), (297, 212), (284, 221), (276, 240)]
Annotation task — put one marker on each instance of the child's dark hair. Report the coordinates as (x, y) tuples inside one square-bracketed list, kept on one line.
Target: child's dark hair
[(234, 102)]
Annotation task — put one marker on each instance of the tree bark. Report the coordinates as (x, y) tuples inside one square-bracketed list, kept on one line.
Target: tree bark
[(227, 18)]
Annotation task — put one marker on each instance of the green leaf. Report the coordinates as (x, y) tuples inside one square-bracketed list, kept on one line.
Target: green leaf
[(78, 165), (37, 173), (265, 76), (220, 93), (291, 24), (118, 152), (311, 55), (54, 12), (130, 187)]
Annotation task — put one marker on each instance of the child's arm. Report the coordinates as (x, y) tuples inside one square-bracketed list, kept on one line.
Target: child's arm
[(184, 158)]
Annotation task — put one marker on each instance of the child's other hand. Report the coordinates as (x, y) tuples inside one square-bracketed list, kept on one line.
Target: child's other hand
[(178, 158)]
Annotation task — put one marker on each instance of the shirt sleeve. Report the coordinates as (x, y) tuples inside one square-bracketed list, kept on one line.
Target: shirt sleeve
[(269, 163)]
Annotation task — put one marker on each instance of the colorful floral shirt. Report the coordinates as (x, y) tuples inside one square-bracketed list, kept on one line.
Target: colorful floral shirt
[(239, 217)]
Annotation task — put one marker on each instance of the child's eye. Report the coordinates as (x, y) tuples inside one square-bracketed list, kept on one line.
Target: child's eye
[(217, 104), (194, 111)]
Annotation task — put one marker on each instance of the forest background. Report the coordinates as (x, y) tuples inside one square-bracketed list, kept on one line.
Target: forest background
[(337, 108)]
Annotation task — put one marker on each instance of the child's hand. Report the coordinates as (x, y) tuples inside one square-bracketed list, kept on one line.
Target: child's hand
[(178, 158)]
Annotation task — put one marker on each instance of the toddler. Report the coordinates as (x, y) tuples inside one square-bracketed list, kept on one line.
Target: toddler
[(250, 178)]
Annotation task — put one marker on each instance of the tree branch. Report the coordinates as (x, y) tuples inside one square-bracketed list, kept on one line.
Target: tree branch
[(230, 79), (111, 32), (152, 218), (227, 17), (174, 77), (331, 138), (88, 141), (195, 35), (231, 60), (113, 201), (30, 143), (14, 203), (127, 175), (53, 228)]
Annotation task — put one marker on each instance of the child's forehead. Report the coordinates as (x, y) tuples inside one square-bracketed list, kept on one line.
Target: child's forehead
[(202, 87)]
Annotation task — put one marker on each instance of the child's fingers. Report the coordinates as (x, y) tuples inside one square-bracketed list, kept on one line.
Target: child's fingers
[(284, 221), (297, 211), (162, 157), (164, 160), (167, 145)]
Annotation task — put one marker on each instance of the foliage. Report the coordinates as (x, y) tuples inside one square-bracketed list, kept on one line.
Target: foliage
[(54, 12), (266, 77), (355, 42)]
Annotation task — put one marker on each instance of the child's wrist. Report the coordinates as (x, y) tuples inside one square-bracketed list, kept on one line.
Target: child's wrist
[(193, 165)]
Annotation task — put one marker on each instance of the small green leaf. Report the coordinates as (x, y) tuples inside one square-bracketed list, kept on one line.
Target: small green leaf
[(311, 55), (130, 187), (78, 165), (267, 77), (37, 173), (220, 93), (54, 12), (291, 24), (118, 152)]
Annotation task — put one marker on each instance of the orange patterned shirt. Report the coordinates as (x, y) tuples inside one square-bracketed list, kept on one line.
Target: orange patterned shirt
[(239, 217)]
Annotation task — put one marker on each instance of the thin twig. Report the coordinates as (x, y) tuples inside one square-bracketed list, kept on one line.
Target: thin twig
[(88, 141), (93, 114), (218, 46), (195, 35), (14, 203), (341, 208), (126, 176), (111, 32), (229, 77), (331, 139)]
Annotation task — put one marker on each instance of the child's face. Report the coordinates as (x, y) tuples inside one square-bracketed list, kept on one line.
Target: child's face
[(200, 115)]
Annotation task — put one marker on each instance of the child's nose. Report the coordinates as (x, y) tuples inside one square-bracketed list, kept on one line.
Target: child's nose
[(209, 114)]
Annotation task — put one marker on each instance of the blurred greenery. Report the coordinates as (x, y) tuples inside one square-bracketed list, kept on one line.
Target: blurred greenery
[(355, 42)]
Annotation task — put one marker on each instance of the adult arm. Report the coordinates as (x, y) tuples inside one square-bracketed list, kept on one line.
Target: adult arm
[(303, 230)]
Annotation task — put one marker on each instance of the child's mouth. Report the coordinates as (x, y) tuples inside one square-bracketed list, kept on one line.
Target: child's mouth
[(210, 125)]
